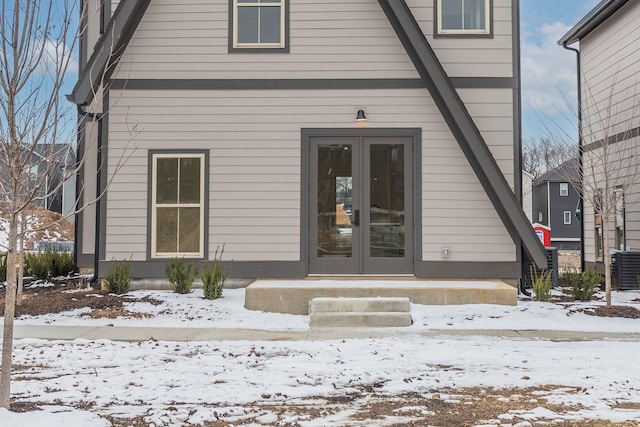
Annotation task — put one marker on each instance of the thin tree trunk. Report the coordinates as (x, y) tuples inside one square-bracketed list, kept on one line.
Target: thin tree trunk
[(9, 312), (21, 261), (607, 258)]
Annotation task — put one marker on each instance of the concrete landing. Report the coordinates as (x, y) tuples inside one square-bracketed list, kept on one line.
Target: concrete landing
[(293, 296), (359, 312)]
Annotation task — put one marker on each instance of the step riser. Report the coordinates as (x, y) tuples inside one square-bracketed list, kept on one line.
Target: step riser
[(359, 305), (360, 320)]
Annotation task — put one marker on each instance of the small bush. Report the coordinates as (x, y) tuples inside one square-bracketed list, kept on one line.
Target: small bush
[(181, 277), (47, 264), (541, 283), (118, 278), (3, 267), (213, 277), (586, 287)]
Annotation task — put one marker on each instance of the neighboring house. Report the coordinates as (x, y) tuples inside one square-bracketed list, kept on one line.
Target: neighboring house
[(555, 201), (609, 63), (263, 125), (55, 163), (527, 195)]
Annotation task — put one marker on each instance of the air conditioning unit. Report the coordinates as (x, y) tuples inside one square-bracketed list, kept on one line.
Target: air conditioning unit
[(625, 270)]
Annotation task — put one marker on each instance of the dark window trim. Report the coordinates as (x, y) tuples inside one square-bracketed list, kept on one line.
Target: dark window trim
[(205, 203), (285, 49), (462, 35)]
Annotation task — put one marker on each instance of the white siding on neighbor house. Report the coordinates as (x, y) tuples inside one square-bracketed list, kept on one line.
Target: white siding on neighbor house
[(331, 39), (254, 181), (610, 61)]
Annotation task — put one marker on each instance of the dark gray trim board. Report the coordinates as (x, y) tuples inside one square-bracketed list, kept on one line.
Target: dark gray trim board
[(155, 269), (613, 139), (108, 49), (287, 30), (467, 270), (463, 127), (101, 183), (300, 84), (205, 226)]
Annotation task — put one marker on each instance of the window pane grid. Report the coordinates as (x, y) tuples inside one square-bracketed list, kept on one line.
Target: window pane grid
[(177, 221), (259, 23), (463, 16)]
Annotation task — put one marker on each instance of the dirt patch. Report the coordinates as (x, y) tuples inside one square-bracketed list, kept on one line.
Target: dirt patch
[(38, 300), (464, 407), (613, 311), (46, 225)]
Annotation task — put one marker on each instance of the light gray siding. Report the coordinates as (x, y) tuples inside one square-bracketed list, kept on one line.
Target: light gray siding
[(330, 39), (610, 60), (255, 170)]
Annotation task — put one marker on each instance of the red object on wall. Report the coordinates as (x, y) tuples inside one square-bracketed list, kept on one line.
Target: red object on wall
[(544, 234)]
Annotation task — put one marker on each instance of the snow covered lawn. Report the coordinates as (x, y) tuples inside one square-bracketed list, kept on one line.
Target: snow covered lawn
[(331, 382)]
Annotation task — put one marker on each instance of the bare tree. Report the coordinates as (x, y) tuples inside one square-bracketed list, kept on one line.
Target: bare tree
[(37, 43), (541, 155)]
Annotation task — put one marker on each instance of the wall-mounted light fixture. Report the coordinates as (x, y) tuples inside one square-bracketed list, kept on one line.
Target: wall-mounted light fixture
[(360, 116)]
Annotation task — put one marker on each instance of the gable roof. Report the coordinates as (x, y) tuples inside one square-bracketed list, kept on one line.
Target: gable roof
[(592, 20), (129, 13), (463, 127), (568, 171), (108, 49)]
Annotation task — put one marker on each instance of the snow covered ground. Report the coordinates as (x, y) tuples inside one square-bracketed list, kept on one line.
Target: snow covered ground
[(177, 384)]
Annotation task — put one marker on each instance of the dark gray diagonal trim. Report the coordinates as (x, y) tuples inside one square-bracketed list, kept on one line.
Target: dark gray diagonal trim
[(603, 11), (310, 84), (463, 127), (613, 139), (108, 49)]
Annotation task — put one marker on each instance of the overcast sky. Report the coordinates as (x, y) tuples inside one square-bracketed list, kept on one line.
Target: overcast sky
[(548, 70)]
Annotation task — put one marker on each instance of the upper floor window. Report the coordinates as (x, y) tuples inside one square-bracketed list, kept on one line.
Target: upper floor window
[(463, 17), (259, 24), (564, 189)]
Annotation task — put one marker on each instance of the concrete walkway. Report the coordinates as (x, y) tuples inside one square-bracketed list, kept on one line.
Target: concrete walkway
[(125, 333)]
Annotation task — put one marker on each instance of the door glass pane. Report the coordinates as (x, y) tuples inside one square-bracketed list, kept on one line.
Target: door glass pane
[(386, 214), (335, 189)]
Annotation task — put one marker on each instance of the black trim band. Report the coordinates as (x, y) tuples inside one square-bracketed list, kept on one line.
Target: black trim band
[(613, 139), (301, 84)]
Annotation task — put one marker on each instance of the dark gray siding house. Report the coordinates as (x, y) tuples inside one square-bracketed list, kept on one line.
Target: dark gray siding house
[(554, 204)]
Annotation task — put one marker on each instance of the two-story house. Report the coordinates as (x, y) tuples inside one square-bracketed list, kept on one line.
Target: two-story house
[(309, 137), (555, 201), (609, 64)]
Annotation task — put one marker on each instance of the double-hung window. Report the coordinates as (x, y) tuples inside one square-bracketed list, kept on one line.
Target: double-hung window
[(259, 24), (471, 17), (564, 189), (177, 208)]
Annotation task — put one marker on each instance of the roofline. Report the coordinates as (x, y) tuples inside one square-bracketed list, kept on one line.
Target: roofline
[(463, 128), (108, 49), (591, 21)]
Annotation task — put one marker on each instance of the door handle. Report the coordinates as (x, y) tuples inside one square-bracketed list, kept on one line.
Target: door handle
[(356, 217)]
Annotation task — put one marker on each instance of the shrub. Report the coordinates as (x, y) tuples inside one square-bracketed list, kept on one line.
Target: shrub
[(181, 277), (213, 277), (47, 264), (587, 285), (118, 278), (3, 267), (541, 283)]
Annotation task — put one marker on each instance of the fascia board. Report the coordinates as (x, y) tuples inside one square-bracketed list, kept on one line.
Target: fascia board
[(108, 49)]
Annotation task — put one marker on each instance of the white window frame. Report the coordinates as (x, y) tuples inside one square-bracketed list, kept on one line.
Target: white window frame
[(484, 31), (154, 205), (564, 189), (567, 217), (274, 3)]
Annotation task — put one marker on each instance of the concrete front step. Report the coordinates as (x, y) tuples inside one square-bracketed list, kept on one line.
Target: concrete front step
[(350, 305), (359, 312), (359, 320)]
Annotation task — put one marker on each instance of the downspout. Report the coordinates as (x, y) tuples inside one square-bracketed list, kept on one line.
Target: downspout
[(580, 152), (94, 117)]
